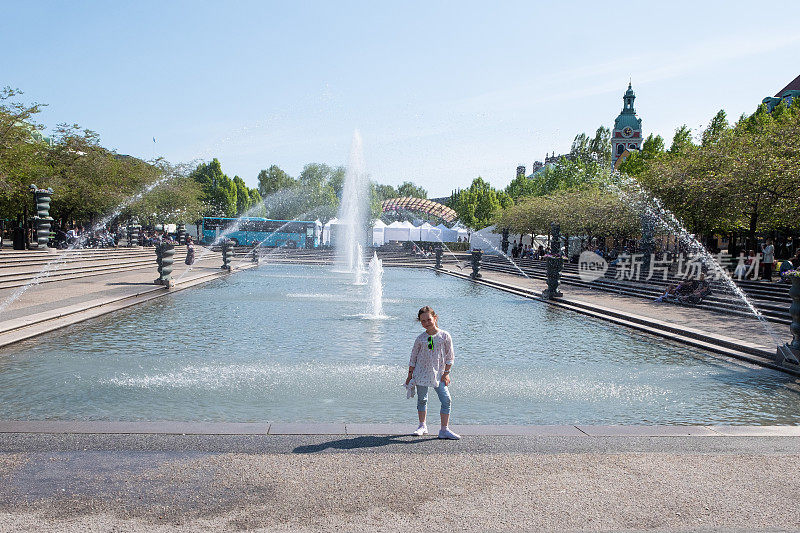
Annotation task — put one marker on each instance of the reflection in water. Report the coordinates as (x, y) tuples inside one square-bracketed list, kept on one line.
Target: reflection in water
[(290, 342)]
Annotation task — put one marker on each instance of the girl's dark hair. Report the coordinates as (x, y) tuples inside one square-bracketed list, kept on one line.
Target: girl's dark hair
[(427, 309)]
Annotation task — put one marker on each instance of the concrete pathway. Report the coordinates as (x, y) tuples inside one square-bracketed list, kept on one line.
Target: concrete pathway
[(135, 482)]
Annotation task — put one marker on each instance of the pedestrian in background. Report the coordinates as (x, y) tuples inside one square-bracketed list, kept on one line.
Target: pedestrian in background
[(768, 258)]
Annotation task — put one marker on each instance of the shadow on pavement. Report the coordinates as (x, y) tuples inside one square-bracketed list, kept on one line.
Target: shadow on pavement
[(365, 441)]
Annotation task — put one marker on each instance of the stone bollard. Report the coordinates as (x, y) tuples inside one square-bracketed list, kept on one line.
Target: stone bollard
[(439, 253), (554, 266), (227, 254), (165, 253), (790, 352), (555, 263), (42, 218), (133, 235), (159, 257), (555, 241), (475, 260), (181, 234)]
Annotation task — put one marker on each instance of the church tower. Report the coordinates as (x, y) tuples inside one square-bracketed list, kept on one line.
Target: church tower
[(627, 134)]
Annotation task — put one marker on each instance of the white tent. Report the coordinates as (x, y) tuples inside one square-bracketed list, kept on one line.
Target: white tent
[(435, 234), (425, 233), (447, 234), (462, 232), (396, 231), (326, 231), (377, 233), (486, 240), (413, 231)]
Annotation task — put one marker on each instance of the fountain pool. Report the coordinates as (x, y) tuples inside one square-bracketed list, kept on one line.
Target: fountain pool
[(291, 343)]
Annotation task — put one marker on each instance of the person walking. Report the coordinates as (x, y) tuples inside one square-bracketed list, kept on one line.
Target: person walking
[(431, 360), (189, 250), (769, 258)]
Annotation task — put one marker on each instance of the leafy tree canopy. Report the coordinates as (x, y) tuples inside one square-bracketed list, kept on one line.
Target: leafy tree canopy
[(478, 206)]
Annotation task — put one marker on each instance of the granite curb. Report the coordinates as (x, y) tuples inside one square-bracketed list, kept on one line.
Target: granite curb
[(328, 428)]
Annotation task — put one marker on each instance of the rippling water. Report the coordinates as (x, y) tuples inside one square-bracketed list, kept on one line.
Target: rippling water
[(289, 343)]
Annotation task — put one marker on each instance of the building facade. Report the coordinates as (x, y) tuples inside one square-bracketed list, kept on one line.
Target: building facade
[(787, 94), (627, 133)]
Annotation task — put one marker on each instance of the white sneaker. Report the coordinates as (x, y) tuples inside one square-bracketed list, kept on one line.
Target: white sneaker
[(421, 430), (447, 433)]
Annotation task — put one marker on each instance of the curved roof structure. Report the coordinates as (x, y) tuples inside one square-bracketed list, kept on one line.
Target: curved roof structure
[(420, 204)]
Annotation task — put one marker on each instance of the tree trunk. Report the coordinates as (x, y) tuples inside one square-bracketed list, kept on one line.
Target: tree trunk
[(751, 230)]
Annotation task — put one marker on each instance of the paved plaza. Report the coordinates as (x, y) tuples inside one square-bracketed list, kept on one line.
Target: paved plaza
[(160, 482)]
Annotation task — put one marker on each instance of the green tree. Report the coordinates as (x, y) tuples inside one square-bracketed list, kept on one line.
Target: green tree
[(242, 195), (716, 128), (318, 187), (384, 192), (592, 149), (219, 190), (178, 198), (521, 187), (274, 179), (478, 206), (639, 160), (408, 189), (586, 212), (682, 141)]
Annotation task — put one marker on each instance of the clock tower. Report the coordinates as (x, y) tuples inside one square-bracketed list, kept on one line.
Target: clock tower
[(627, 134)]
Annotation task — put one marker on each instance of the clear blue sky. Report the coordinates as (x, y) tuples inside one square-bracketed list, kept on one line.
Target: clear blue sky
[(441, 91)]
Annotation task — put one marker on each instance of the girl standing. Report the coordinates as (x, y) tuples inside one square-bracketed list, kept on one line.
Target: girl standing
[(431, 359)]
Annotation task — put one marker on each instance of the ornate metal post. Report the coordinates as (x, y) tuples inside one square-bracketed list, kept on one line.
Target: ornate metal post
[(159, 257), (256, 256), (504, 242), (791, 351), (165, 253), (475, 260), (133, 235), (555, 243), (42, 219), (227, 254), (555, 263), (182, 234), (438, 251)]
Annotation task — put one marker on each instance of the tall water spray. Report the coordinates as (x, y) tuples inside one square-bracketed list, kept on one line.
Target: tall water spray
[(353, 208), (376, 286), (359, 265)]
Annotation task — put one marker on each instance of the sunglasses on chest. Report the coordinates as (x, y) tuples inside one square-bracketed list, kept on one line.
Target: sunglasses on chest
[(430, 343)]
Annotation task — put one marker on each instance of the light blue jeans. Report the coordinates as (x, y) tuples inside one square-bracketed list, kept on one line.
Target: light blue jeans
[(444, 398)]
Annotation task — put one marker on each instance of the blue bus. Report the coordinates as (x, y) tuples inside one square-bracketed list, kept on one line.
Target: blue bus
[(250, 231)]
